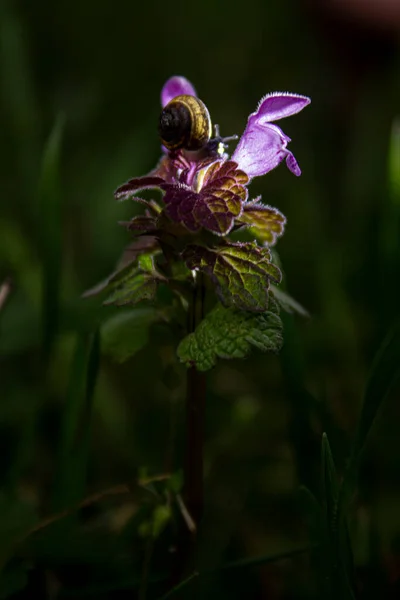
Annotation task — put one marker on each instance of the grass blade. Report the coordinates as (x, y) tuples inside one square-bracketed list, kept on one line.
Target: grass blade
[(257, 561), (75, 428), (339, 548), (180, 585), (18, 98), (49, 200), (384, 374), (330, 484)]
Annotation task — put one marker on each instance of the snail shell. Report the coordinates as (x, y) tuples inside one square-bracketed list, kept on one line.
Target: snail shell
[(185, 123)]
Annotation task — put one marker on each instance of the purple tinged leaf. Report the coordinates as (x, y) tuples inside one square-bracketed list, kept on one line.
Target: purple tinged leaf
[(180, 204), (166, 168), (142, 223), (137, 184), (215, 206), (266, 223), (241, 273), (176, 86), (217, 210), (145, 244), (263, 145)]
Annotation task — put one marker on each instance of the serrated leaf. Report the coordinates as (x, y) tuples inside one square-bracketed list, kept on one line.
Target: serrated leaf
[(215, 205), (229, 333), (131, 284), (141, 223), (241, 272), (126, 333), (137, 184), (266, 223), (133, 289)]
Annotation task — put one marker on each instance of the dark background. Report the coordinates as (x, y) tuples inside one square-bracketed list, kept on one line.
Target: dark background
[(101, 66)]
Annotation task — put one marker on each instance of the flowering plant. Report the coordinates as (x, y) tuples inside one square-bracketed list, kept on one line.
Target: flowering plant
[(182, 240)]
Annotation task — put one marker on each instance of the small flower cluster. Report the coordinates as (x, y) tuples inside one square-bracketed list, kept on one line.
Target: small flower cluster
[(209, 190), (204, 197)]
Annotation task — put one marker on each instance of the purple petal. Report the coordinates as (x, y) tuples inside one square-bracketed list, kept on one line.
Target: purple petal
[(278, 105), (263, 145), (260, 149), (292, 165), (176, 86)]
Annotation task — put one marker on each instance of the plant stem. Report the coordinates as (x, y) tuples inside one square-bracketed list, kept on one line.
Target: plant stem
[(193, 459), (195, 416)]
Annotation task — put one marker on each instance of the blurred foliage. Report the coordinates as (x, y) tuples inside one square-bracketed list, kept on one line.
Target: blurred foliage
[(79, 102)]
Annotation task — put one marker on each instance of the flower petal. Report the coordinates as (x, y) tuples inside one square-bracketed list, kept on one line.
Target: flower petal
[(263, 145), (260, 149), (278, 105), (176, 86), (292, 164)]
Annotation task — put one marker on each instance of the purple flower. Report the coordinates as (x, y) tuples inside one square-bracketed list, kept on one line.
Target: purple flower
[(176, 86), (205, 189), (263, 145)]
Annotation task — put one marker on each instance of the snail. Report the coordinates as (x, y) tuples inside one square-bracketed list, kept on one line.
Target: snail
[(185, 124)]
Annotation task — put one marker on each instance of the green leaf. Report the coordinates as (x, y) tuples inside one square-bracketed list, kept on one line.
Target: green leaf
[(241, 272), (126, 333), (134, 282), (265, 222), (229, 333), (133, 289), (75, 431)]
